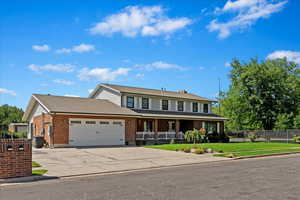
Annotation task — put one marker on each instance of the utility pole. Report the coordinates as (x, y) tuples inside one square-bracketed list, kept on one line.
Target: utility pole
[(219, 95)]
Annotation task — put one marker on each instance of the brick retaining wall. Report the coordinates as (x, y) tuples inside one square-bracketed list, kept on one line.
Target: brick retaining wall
[(15, 158)]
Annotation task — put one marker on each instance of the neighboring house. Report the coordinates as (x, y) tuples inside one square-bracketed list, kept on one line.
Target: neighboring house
[(17, 127), (119, 115)]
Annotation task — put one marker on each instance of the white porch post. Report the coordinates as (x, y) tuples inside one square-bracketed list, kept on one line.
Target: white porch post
[(203, 124), (218, 127)]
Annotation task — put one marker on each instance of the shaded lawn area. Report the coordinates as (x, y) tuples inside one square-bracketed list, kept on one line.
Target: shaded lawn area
[(35, 164), (237, 149)]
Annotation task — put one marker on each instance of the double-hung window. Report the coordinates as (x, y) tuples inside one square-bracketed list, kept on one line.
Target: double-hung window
[(180, 105), (145, 103), (195, 107), (130, 102), (165, 105), (205, 108)]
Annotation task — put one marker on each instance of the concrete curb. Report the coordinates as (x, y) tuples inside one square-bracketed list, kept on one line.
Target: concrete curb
[(267, 155), (26, 179)]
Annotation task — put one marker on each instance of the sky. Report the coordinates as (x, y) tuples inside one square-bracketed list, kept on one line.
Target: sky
[(68, 47)]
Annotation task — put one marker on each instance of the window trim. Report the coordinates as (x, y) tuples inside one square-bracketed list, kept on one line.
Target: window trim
[(162, 105), (181, 107), (197, 106), (129, 97), (146, 108)]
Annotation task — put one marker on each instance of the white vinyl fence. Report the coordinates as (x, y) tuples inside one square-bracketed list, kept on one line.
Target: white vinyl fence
[(286, 136)]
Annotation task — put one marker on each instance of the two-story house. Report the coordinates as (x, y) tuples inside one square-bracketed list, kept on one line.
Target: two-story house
[(119, 115)]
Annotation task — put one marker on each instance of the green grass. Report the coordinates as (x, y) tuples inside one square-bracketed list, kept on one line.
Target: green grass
[(35, 164), (238, 149), (39, 172)]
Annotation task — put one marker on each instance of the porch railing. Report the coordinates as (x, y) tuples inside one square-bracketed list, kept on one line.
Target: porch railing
[(160, 135)]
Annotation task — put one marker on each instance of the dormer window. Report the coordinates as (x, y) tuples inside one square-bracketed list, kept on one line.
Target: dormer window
[(130, 102), (165, 105), (205, 108), (145, 103), (180, 106), (195, 107)]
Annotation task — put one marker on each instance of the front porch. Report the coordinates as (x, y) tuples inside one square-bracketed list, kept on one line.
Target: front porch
[(164, 130)]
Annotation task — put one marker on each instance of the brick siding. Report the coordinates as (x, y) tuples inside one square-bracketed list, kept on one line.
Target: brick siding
[(15, 162)]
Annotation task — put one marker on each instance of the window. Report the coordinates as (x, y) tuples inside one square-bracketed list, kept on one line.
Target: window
[(165, 105), (172, 126), (148, 125), (75, 122), (211, 127), (145, 103), (195, 107), (117, 123), (180, 105), (90, 122), (130, 102), (205, 108), (103, 122)]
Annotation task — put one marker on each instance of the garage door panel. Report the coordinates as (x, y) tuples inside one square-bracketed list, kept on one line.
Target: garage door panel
[(83, 134)]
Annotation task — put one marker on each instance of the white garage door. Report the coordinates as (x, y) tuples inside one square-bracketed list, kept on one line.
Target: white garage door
[(91, 132)]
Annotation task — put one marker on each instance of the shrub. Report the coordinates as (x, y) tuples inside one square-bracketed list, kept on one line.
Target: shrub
[(224, 138), (199, 151), (297, 139), (213, 137), (252, 136), (187, 150), (193, 136), (172, 141)]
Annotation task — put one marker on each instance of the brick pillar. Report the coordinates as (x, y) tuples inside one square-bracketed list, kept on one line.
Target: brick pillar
[(177, 127), (155, 128)]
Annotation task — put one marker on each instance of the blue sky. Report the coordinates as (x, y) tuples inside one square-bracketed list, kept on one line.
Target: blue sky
[(67, 47)]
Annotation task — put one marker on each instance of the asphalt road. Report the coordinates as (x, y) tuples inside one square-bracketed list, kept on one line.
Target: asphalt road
[(268, 178)]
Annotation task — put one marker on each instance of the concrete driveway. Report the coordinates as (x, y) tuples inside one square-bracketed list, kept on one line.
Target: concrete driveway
[(63, 162)]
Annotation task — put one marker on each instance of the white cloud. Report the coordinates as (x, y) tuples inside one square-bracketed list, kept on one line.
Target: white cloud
[(81, 48), (201, 68), (90, 91), (41, 47), (52, 67), (63, 82), (102, 74), (247, 13), (6, 91), (138, 20), (63, 50), (140, 76), (293, 56), (71, 95), (160, 65)]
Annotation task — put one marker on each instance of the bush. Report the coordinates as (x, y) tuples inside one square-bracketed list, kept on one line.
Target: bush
[(199, 151), (297, 139), (213, 137), (224, 138), (252, 136), (173, 141), (194, 136), (186, 150)]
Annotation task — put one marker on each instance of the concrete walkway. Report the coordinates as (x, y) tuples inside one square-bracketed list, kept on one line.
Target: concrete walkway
[(63, 162)]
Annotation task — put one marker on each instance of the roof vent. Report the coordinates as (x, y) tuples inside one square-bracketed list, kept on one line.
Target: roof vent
[(182, 92)]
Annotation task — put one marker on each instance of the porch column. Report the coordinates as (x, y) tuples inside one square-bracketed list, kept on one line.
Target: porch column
[(203, 124), (218, 127), (177, 127), (155, 128)]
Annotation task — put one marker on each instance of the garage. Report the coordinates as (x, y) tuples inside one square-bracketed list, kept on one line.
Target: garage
[(96, 132)]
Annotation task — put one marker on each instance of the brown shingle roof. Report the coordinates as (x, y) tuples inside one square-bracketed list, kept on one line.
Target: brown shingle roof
[(138, 90), (62, 104)]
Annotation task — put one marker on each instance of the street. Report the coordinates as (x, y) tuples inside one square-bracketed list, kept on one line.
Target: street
[(273, 178)]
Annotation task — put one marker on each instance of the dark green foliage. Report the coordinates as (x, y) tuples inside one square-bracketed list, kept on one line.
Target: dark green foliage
[(262, 95), (9, 114)]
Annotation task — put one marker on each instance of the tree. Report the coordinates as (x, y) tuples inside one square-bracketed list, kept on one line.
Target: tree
[(260, 92), (9, 114)]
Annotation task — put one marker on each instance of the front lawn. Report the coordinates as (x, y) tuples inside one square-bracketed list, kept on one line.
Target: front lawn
[(237, 149), (35, 164)]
